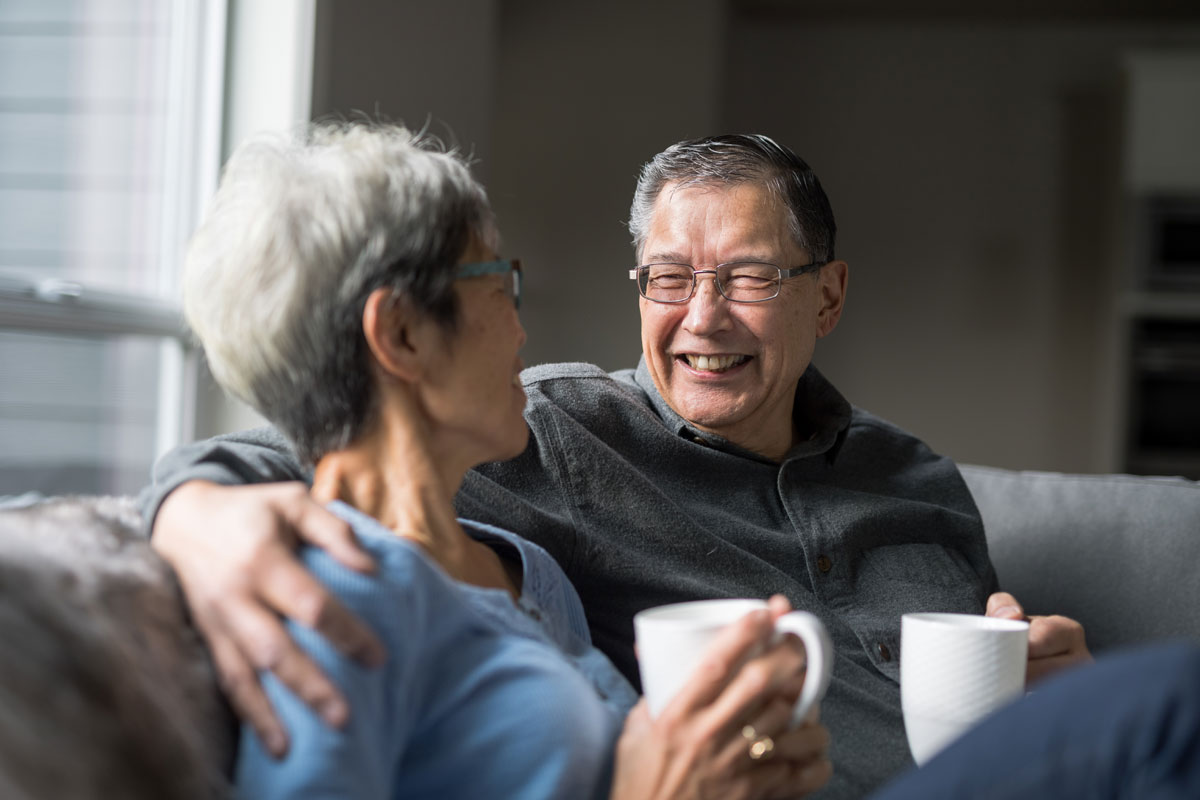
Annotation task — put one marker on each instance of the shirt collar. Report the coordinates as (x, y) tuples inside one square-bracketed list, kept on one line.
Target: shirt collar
[(819, 408)]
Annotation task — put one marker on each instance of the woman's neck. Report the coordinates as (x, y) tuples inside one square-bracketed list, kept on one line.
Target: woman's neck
[(391, 473)]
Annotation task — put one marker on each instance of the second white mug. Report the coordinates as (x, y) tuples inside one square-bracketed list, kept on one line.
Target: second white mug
[(956, 669)]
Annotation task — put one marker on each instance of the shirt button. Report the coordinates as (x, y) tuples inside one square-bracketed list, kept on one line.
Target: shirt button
[(884, 652), (824, 564)]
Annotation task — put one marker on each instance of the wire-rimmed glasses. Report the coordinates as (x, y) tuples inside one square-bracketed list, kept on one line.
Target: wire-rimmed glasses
[(737, 281)]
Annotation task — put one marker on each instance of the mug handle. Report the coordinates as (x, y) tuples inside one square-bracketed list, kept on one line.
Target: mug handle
[(818, 649)]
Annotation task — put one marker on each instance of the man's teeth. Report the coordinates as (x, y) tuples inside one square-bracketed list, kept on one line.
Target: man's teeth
[(714, 363)]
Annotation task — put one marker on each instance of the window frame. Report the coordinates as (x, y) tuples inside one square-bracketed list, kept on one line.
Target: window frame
[(193, 135)]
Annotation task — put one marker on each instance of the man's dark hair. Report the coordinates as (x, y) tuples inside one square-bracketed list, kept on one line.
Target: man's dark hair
[(735, 159)]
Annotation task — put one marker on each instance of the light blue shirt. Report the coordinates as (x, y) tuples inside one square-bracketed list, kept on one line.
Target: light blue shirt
[(479, 697)]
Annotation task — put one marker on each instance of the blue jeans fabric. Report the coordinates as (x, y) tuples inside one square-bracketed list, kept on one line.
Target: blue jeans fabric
[(1125, 727)]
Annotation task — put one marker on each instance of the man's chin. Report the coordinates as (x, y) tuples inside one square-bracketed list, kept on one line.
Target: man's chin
[(707, 419)]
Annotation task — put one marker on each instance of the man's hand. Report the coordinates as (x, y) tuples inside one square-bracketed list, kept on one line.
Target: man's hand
[(233, 550), (1054, 642)]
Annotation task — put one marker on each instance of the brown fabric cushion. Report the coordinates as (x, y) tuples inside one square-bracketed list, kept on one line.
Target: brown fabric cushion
[(107, 690)]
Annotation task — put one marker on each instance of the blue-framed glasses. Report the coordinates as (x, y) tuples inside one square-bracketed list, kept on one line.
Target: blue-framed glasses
[(510, 265)]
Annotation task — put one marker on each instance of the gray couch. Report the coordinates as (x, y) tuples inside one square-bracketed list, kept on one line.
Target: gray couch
[(1119, 553)]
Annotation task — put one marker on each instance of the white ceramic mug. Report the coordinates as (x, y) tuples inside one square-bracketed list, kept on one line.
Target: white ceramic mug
[(671, 640), (956, 669)]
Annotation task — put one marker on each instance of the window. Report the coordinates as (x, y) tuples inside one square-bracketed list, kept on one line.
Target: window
[(110, 125)]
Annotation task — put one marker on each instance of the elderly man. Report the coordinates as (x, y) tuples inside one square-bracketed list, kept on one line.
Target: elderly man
[(724, 465)]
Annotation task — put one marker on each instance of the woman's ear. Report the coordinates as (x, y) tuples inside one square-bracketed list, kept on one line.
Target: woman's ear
[(395, 335)]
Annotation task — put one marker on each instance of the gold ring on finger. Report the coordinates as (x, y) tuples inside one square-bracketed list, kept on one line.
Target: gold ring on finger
[(762, 746)]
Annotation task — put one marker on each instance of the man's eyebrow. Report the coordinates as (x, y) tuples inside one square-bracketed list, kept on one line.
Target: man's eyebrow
[(678, 258), (665, 258), (760, 258)]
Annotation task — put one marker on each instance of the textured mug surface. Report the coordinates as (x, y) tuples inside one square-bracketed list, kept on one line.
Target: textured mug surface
[(672, 639), (956, 669)]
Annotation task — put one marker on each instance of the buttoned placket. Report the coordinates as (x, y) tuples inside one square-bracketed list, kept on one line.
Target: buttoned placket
[(819, 547)]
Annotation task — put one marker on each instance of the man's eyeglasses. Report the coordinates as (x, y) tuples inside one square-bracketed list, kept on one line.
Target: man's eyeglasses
[(738, 281), (510, 265)]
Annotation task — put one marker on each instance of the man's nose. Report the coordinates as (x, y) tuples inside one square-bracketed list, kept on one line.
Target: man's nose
[(707, 310)]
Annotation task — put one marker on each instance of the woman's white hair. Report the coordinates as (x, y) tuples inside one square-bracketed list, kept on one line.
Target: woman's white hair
[(302, 229)]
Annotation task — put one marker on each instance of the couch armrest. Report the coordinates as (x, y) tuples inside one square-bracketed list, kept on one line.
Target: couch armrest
[(1119, 553)]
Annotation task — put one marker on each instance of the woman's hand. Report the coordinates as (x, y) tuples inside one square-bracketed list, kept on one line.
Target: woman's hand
[(233, 549), (699, 747)]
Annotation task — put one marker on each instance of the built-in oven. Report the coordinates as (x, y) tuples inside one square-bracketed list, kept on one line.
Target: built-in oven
[(1170, 246), (1163, 425), (1164, 407)]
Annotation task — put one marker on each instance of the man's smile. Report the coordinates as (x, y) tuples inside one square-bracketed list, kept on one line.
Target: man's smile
[(713, 363)]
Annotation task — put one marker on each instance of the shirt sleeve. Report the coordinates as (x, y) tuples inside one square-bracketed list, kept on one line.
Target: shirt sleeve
[(260, 455), (358, 761)]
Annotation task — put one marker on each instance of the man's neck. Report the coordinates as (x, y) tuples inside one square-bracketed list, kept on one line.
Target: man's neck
[(773, 442)]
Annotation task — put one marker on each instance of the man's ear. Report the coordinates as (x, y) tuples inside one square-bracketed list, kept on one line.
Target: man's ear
[(831, 283), (395, 335)]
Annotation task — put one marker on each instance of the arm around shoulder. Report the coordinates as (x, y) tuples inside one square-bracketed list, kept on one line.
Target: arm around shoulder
[(357, 759), (233, 549), (260, 455)]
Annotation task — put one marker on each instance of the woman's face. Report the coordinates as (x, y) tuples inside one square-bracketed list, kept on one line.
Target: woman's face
[(475, 394)]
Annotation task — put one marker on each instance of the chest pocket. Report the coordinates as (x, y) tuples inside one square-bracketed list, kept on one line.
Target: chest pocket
[(894, 580), (921, 564)]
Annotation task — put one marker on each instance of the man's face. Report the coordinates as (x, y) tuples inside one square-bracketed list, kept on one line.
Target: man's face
[(732, 368)]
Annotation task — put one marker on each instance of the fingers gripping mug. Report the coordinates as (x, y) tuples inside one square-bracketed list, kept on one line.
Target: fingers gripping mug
[(672, 640)]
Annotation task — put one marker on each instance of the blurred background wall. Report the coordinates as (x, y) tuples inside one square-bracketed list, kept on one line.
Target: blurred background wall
[(983, 166)]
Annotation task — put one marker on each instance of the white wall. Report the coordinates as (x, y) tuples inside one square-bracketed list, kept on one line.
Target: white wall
[(586, 94), (975, 175), (561, 102), (974, 171), (412, 62)]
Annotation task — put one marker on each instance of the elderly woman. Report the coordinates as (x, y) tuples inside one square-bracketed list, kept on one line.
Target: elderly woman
[(346, 284)]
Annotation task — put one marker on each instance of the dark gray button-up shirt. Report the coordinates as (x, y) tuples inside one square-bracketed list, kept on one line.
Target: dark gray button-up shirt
[(858, 524)]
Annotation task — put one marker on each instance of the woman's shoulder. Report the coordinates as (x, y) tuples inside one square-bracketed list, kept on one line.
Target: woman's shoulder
[(404, 577), (547, 594), (543, 581)]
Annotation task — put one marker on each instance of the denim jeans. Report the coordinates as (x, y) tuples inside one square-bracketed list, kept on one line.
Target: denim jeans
[(1126, 727)]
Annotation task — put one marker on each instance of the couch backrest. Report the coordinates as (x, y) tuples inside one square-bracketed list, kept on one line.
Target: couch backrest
[(106, 689), (1119, 553)]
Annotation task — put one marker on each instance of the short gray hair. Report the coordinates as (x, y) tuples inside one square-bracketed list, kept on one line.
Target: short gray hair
[(735, 159), (105, 689), (302, 229)]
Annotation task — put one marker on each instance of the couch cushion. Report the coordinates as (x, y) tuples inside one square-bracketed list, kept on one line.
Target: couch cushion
[(106, 689), (1119, 553)]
